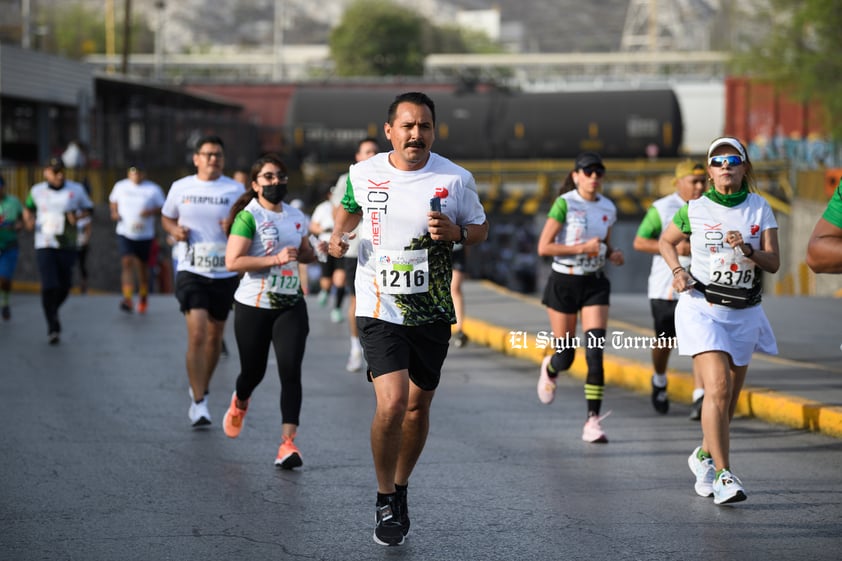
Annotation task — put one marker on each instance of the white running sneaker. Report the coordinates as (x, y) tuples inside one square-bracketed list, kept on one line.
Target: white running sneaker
[(546, 385), (593, 432), (199, 414), (355, 361), (727, 488), (704, 472)]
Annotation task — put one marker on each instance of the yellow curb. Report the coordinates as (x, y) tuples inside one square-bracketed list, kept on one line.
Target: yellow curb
[(761, 403), (32, 287)]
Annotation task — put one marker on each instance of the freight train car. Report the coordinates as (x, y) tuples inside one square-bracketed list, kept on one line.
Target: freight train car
[(325, 124)]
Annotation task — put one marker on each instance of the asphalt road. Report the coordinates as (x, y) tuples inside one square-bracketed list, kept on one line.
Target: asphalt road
[(99, 461)]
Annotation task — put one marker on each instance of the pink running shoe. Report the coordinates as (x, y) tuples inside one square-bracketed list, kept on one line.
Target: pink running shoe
[(546, 385), (593, 432)]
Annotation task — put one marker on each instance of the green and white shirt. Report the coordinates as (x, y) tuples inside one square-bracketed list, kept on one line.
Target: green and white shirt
[(582, 220), (403, 276), (279, 286)]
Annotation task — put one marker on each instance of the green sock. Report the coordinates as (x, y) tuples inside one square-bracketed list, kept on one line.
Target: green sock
[(719, 472), (702, 455), (4, 298)]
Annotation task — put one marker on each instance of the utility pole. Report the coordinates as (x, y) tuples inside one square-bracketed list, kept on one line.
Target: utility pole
[(127, 36), (110, 39)]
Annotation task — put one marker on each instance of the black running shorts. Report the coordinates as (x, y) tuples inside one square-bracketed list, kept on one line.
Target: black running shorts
[(663, 312), (570, 293), (390, 347), (214, 295)]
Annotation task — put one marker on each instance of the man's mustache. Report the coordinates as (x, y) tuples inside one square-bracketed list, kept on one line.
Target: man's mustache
[(415, 144)]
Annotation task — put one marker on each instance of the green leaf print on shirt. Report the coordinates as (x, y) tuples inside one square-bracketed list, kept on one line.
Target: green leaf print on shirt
[(437, 304)]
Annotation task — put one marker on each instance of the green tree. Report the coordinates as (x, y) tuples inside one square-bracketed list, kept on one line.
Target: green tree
[(799, 51), (74, 30), (378, 38)]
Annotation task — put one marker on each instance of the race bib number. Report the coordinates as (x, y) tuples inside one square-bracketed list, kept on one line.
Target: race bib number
[(729, 269), (592, 262), (403, 271), (137, 226), (284, 279), (209, 257), (52, 223)]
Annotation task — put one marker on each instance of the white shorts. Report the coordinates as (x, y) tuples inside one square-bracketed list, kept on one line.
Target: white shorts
[(701, 326)]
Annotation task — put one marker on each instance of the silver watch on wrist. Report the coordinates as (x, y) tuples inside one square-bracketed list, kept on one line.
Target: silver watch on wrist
[(463, 230)]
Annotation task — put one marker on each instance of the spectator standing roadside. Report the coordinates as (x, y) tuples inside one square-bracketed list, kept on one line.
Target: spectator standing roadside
[(195, 215), (52, 210), (366, 148), (824, 250), (404, 306), (135, 202), (11, 223), (689, 183), (719, 320), (577, 235)]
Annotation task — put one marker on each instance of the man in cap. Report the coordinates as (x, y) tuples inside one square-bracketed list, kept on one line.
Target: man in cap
[(52, 210), (689, 184), (135, 203)]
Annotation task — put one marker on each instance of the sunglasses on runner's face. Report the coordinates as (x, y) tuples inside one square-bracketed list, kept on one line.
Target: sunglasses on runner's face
[(590, 170), (719, 161)]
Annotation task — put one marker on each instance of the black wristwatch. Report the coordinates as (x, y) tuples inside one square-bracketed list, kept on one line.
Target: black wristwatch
[(750, 250), (463, 234)]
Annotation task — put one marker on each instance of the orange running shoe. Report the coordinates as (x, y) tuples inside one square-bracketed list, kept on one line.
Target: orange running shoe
[(288, 454), (234, 418), (142, 305)]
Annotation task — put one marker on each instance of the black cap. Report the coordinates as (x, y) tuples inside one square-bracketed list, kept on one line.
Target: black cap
[(56, 164), (137, 166), (586, 159)]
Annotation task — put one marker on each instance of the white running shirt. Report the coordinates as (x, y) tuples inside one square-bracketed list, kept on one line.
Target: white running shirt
[(201, 206), (403, 276), (278, 286), (132, 199)]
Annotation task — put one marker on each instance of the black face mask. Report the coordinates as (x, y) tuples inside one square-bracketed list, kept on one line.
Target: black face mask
[(275, 193)]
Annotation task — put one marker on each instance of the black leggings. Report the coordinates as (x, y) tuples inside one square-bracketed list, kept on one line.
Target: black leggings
[(287, 329)]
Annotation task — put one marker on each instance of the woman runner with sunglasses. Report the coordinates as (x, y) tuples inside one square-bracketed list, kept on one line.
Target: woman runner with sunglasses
[(267, 241), (718, 319), (577, 235)]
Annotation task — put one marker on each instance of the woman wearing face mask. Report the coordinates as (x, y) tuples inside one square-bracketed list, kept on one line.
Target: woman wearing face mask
[(718, 319), (267, 241)]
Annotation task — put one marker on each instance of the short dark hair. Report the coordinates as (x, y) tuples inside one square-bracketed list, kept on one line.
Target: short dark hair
[(418, 98), (208, 139)]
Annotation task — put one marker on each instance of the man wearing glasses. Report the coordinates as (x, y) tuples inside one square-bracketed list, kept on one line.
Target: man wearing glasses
[(689, 183), (195, 214)]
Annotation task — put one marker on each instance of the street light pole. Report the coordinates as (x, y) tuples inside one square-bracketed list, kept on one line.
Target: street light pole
[(160, 6), (278, 67)]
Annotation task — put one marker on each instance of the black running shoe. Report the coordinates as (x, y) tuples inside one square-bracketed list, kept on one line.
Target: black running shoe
[(400, 496), (388, 527), (460, 339), (696, 410), (659, 399)]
